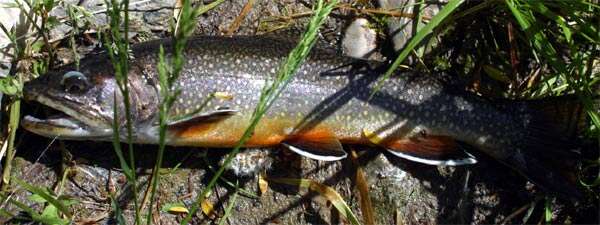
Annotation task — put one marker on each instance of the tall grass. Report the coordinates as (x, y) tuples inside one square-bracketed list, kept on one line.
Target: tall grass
[(418, 37), (38, 19), (271, 92), (562, 36), (578, 35), (169, 71), (116, 43)]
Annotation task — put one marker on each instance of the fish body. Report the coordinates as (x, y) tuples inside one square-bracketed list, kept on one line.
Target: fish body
[(331, 101)]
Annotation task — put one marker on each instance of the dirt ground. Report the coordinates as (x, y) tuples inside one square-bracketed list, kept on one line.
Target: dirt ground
[(402, 192)]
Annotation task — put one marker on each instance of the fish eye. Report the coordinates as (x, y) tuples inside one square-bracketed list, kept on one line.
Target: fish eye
[(74, 82)]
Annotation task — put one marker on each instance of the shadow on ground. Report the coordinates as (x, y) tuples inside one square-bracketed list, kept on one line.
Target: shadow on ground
[(400, 190)]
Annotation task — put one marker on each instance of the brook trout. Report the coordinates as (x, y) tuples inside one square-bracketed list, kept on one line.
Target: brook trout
[(327, 104)]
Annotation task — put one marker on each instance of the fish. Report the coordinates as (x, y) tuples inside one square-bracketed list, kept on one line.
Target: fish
[(332, 101)]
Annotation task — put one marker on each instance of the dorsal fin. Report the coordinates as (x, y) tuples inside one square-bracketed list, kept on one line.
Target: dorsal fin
[(426, 149), (317, 143)]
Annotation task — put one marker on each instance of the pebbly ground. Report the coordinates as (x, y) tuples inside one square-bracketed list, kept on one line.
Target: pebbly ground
[(402, 192)]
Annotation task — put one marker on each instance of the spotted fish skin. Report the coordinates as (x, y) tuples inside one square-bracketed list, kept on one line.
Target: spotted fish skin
[(330, 95), (327, 90)]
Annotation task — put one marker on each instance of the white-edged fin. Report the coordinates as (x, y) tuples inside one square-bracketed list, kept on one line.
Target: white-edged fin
[(317, 155), (468, 160), (202, 116), (318, 143)]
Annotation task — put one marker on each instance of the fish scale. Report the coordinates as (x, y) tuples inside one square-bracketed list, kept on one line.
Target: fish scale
[(331, 101)]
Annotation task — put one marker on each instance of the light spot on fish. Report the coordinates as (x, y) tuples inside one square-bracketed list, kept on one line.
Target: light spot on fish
[(288, 130), (462, 104), (482, 140)]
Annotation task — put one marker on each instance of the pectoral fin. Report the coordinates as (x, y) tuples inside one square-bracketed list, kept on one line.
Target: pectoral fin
[(319, 144), (202, 116), (430, 149)]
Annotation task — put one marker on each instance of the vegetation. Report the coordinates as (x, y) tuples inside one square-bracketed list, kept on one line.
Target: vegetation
[(510, 49)]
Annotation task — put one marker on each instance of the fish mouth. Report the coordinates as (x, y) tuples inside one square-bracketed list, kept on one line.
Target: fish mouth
[(68, 123)]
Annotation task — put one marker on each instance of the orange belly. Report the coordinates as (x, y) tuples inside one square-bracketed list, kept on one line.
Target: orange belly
[(268, 132)]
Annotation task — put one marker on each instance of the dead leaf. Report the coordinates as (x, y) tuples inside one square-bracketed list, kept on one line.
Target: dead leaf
[(263, 184), (325, 191), (366, 207), (208, 209)]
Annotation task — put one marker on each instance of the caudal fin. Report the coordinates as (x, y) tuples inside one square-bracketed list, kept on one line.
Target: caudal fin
[(549, 153)]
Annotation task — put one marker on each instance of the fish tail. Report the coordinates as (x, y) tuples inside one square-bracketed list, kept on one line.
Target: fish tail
[(549, 154)]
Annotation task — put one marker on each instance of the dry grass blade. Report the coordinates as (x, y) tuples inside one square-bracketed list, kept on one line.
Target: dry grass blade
[(366, 207), (238, 20), (263, 184), (327, 192), (177, 10), (4, 145)]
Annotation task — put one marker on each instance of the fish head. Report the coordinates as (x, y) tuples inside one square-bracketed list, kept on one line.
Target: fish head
[(87, 101)]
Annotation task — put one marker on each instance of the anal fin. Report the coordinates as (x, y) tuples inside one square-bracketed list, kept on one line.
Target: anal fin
[(320, 144), (426, 149)]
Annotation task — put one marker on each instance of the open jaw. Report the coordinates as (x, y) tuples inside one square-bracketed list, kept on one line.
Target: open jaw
[(68, 123)]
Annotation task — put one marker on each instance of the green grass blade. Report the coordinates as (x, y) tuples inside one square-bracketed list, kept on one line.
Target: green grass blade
[(572, 73), (230, 205), (119, 57), (418, 38), (270, 93), (114, 205), (168, 73), (42, 193), (31, 212), (547, 211), (539, 7), (13, 124), (229, 183)]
